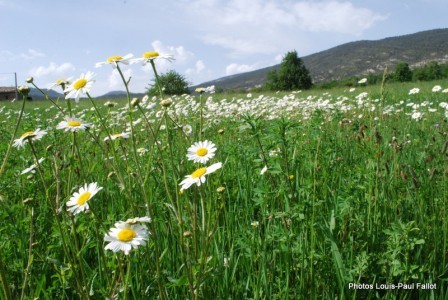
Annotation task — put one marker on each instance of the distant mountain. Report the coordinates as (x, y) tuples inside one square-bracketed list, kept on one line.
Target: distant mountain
[(356, 59), (119, 94), (37, 95)]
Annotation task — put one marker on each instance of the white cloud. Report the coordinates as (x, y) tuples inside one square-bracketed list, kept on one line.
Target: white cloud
[(181, 54), (115, 82), (263, 26), (335, 16), (181, 57), (278, 58), (31, 54), (239, 68), (240, 46), (52, 69), (198, 68), (6, 55)]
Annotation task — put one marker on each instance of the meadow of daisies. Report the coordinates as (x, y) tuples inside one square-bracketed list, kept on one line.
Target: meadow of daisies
[(309, 194)]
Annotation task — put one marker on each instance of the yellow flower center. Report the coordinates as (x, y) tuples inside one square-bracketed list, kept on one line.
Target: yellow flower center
[(149, 55), (27, 134), (79, 84), (114, 58), (74, 123), (199, 172), (83, 198), (126, 235), (116, 135), (201, 152)]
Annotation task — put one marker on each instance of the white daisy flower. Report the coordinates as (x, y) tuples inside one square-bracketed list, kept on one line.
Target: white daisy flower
[(79, 201), (436, 88), (126, 236), (416, 115), (113, 137), (32, 167), (61, 82), (142, 151), (363, 80), (138, 220), (414, 91), (114, 60), (198, 176), (110, 103), (201, 152), (29, 136), (187, 129), (209, 89), (254, 223), (81, 85), (147, 57), (73, 124)]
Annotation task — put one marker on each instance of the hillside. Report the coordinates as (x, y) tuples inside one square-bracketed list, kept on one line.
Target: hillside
[(356, 59)]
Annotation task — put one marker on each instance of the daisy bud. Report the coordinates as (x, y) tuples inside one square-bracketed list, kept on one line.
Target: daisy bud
[(166, 102), (187, 234), (27, 200), (24, 90), (135, 102), (49, 148), (30, 79), (221, 189), (221, 131), (110, 104)]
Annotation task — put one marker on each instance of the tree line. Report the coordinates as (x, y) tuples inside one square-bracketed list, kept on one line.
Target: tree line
[(402, 73), (293, 75)]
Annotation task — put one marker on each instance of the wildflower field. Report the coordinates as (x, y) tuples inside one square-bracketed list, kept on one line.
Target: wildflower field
[(334, 194)]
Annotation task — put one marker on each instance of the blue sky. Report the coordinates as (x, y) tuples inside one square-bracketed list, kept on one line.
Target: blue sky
[(209, 38)]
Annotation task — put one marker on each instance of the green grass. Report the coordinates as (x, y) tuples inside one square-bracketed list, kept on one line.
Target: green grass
[(355, 192)]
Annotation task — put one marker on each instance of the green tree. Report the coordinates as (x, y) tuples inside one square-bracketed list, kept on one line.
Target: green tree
[(434, 71), (292, 75), (402, 72), (172, 83)]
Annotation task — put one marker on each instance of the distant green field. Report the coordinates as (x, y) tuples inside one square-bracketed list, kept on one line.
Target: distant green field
[(322, 194)]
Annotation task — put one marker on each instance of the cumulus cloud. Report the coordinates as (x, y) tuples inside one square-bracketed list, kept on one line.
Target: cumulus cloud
[(115, 81), (181, 56), (52, 69), (334, 16), (198, 68), (264, 26), (239, 68), (240, 45)]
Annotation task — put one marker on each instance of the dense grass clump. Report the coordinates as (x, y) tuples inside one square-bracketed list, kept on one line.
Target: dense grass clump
[(324, 194)]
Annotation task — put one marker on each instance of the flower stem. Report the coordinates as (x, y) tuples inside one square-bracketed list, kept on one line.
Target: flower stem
[(153, 65), (4, 281), (30, 255), (8, 152), (48, 98)]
